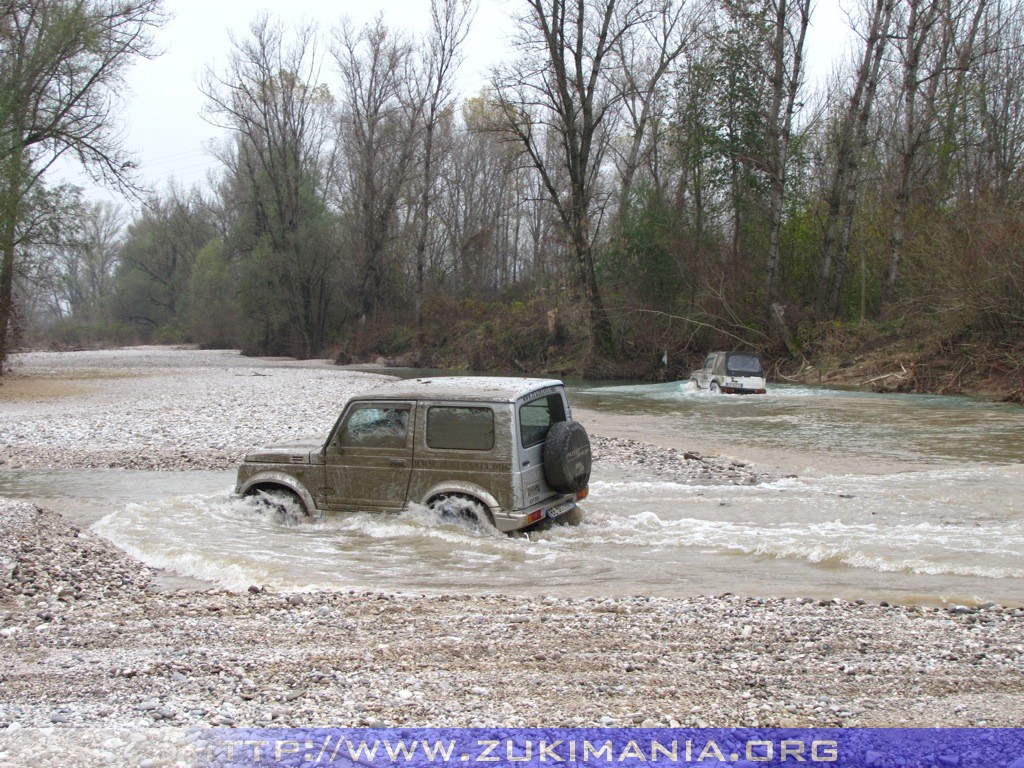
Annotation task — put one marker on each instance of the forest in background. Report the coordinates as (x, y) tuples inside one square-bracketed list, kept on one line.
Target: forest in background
[(643, 181)]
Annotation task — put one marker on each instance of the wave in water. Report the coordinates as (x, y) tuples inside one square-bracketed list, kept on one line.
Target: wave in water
[(236, 543)]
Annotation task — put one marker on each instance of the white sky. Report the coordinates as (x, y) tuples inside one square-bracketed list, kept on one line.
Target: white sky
[(162, 108)]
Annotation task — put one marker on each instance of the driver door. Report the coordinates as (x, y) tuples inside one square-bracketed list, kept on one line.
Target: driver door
[(369, 458)]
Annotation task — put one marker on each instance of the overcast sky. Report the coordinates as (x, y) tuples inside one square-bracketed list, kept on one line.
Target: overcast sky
[(163, 103)]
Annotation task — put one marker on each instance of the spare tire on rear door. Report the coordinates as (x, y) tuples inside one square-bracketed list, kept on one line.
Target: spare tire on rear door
[(567, 457)]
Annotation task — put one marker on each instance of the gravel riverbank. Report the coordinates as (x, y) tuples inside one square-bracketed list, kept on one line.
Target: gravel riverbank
[(86, 641), (154, 408)]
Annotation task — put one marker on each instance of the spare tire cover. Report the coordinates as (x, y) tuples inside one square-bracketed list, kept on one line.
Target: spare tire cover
[(567, 457)]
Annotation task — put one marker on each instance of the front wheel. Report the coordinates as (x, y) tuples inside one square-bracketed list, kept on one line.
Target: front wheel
[(285, 505)]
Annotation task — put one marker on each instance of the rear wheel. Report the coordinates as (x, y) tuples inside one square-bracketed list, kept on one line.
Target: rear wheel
[(714, 388), (465, 509), (571, 518)]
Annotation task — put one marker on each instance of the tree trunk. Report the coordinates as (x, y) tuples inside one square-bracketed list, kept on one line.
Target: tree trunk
[(424, 229), (843, 192), (916, 118), (6, 291), (785, 86), (10, 209)]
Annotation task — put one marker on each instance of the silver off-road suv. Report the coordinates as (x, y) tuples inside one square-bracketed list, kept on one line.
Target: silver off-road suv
[(503, 450)]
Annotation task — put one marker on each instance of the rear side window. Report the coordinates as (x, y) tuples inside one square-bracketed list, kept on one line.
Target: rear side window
[(536, 418), (461, 429)]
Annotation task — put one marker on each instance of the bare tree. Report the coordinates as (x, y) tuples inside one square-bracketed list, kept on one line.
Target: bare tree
[(647, 58), (924, 42), (380, 121), (450, 20), (84, 268), (995, 160), (563, 82), (283, 158), (61, 64), (789, 20), (851, 141)]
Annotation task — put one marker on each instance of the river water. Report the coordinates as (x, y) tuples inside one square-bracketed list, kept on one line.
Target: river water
[(909, 499)]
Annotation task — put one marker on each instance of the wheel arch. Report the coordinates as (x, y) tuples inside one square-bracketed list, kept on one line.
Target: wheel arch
[(270, 481), (473, 492)]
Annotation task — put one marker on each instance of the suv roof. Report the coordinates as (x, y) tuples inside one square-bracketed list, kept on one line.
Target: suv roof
[(493, 389)]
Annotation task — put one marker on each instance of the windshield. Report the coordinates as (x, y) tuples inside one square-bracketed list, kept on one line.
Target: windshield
[(743, 364)]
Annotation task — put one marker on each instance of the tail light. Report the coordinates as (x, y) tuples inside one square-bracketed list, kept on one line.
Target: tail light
[(581, 495)]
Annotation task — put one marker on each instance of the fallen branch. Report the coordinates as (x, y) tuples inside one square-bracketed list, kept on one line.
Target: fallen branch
[(886, 376)]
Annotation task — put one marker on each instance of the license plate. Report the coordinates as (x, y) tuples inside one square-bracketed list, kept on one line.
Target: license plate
[(560, 510)]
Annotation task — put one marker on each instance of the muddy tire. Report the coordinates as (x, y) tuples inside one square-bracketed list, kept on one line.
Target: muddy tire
[(285, 504), (462, 508), (715, 389), (571, 519), (567, 457)]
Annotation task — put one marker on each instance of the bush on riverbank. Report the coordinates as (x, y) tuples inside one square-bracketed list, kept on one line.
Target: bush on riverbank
[(529, 334), (896, 358)]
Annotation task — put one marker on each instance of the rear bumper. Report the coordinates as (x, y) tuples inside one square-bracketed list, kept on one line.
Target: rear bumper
[(551, 509)]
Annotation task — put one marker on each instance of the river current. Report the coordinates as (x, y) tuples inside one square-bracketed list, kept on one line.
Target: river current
[(904, 498)]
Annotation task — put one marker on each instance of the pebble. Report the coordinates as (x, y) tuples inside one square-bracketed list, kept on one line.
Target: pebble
[(117, 655)]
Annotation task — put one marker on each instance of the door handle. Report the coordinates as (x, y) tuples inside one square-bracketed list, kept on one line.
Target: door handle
[(396, 462)]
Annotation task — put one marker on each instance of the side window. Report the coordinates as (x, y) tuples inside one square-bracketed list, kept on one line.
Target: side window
[(535, 418), (375, 426), (459, 428)]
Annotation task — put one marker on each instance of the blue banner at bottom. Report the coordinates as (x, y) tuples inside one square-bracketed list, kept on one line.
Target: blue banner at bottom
[(709, 748)]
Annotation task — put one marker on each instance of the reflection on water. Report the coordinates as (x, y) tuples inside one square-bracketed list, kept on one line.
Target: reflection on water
[(937, 517)]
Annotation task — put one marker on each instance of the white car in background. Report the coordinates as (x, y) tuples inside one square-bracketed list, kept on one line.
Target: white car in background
[(731, 373)]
